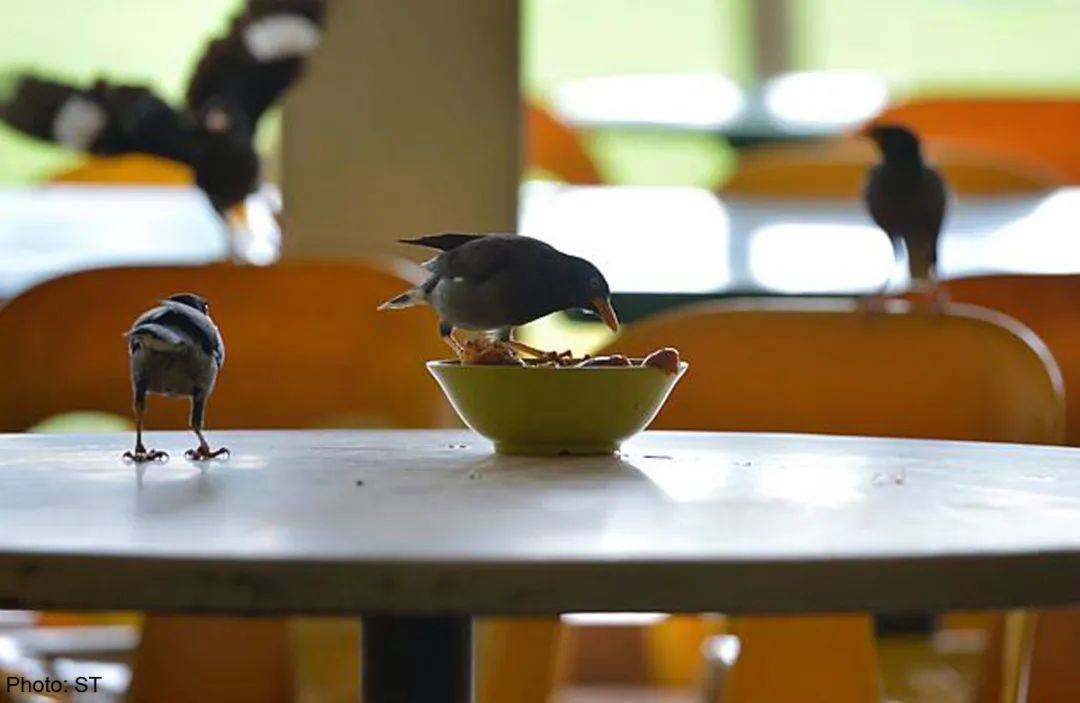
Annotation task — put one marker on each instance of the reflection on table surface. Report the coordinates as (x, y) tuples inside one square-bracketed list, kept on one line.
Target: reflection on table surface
[(646, 239)]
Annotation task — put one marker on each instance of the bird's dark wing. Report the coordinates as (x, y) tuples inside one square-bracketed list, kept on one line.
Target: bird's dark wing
[(482, 258), (443, 242), (259, 58), (105, 118), (904, 204), (190, 324), (938, 196)]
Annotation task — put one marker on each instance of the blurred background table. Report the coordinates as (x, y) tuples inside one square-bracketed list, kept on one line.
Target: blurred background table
[(784, 108), (657, 245), (423, 530)]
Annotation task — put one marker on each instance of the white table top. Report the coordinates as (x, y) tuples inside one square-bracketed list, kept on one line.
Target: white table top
[(679, 522)]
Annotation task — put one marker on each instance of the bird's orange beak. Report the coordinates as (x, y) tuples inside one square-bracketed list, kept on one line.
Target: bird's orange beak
[(607, 314)]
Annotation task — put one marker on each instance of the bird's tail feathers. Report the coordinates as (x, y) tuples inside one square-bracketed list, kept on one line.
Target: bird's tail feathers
[(408, 299), (443, 242), (155, 337)]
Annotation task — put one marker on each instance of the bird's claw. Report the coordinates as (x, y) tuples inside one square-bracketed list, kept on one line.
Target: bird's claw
[(141, 456), (874, 303), (204, 453)]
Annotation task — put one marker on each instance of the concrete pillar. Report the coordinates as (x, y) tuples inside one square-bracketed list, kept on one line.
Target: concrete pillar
[(407, 123)]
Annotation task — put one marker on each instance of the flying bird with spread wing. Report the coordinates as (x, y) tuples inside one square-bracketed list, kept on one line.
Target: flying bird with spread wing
[(239, 76)]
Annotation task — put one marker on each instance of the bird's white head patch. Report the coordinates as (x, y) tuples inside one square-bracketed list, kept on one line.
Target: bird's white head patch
[(78, 122), (277, 37)]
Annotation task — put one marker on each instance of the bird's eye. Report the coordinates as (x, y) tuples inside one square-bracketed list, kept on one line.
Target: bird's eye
[(594, 283)]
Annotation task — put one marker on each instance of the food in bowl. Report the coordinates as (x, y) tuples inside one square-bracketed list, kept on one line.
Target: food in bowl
[(488, 352), (666, 359), (483, 351), (611, 360)]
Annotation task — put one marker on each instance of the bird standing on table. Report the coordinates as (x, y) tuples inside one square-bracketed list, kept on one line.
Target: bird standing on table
[(906, 198), (239, 76), (176, 350), (498, 281)]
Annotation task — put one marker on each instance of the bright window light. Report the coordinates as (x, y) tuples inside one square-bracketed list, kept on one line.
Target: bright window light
[(613, 619), (1044, 241), (680, 100), (820, 258), (51, 230), (826, 99), (644, 239)]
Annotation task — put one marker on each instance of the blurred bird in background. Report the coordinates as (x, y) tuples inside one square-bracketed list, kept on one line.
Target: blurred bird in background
[(906, 198), (176, 350), (494, 282), (239, 76)]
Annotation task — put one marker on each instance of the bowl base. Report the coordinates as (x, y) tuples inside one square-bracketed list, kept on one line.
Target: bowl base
[(525, 449)]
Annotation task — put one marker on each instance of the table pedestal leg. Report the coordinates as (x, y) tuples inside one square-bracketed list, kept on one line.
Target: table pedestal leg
[(417, 659)]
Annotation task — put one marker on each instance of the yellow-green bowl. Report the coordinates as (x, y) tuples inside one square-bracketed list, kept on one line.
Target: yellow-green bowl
[(529, 410)]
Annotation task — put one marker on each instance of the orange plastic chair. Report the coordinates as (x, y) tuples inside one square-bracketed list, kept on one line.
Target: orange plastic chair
[(1032, 131), (836, 169), (175, 660), (820, 367), (63, 348), (1050, 674), (556, 148), (341, 364), (1048, 305)]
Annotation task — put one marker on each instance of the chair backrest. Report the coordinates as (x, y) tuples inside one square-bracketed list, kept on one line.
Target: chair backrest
[(821, 367), (305, 347), (837, 169), (1028, 130), (1050, 307), (556, 148)]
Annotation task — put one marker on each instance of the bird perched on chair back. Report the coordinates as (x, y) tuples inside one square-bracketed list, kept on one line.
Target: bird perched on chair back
[(498, 281), (906, 198), (239, 76), (176, 350)]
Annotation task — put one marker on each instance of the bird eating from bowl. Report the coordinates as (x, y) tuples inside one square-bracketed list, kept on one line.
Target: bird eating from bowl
[(493, 282)]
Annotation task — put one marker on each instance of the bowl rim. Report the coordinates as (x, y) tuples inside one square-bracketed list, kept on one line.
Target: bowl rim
[(455, 364)]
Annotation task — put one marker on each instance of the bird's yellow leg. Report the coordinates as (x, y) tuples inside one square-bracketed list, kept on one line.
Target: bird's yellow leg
[(932, 294), (141, 454), (453, 343), (523, 348), (236, 224), (876, 302)]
